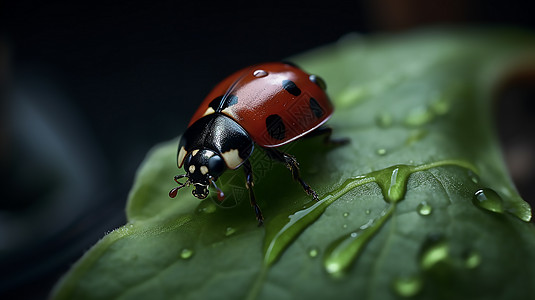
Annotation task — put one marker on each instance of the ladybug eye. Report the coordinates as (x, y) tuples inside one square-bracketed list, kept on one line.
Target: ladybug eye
[(216, 165), (318, 81), (260, 73), (187, 161)]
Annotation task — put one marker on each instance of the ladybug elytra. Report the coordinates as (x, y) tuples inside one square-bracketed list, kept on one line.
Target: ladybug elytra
[(269, 105)]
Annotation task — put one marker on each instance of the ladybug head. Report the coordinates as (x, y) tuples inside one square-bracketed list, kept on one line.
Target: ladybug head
[(202, 167)]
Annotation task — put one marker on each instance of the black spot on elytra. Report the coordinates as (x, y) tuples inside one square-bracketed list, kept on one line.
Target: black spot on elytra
[(291, 87), (275, 127), (229, 101), (214, 104), (316, 108), (219, 104)]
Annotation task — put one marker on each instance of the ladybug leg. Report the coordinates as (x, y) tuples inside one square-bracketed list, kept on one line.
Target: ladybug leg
[(327, 132), (249, 184), (292, 164)]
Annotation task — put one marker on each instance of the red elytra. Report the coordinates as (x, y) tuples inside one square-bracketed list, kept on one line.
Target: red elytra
[(271, 89)]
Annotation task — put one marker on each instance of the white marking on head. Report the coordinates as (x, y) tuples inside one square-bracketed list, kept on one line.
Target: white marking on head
[(194, 152), (181, 155), (208, 153), (204, 170), (232, 158), (209, 111), (228, 111), (192, 168)]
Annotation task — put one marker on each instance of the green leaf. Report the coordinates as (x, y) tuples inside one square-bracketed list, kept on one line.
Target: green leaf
[(418, 205)]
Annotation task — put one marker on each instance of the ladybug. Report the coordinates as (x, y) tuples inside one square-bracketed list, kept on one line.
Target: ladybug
[(270, 105)]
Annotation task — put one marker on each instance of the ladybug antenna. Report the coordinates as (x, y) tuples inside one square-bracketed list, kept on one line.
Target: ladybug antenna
[(220, 194), (174, 191)]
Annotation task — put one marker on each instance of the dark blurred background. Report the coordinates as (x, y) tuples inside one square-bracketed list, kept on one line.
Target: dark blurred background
[(88, 88)]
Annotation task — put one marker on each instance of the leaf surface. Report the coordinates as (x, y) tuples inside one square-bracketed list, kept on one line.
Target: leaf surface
[(399, 214)]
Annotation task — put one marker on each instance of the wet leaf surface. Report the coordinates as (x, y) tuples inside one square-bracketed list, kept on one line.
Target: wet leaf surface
[(418, 205)]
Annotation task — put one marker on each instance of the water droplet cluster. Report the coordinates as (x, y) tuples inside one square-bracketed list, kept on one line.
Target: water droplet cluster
[(435, 261), (341, 253)]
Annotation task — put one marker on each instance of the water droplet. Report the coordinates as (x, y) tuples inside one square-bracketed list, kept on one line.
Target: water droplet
[(346, 214), (342, 252), (520, 209), (260, 73), (186, 253), (424, 209), (313, 252), (344, 226), (384, 120), (473, 177), (393, 181), (381, 151), (280, 234), (318, 81), (408, 286), (419, 116), (472, 260), (435, 251), (489, 200), (230, 231), (283, 230)]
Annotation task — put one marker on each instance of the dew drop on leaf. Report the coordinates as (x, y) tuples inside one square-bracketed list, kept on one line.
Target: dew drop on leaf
[(424, 209), (472, 260), (393, 182), (381, 151), (488, 199), (341, 253), (473, 177), (435, 251), (313, 252), (186, 253), (407, 286)]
